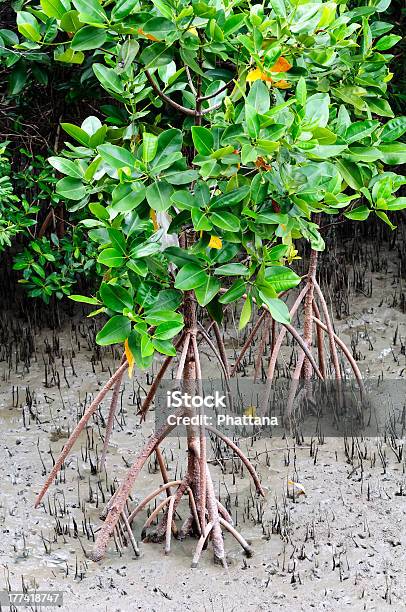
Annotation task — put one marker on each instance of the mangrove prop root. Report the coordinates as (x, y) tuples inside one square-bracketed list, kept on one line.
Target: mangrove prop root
[(347, 353), (150, 497), (308, 313), (78, 429), (320, 344), (330, 329), (221, 346), (124, 491), (248, 342), (111, 417), (241, 455), (264, 336)]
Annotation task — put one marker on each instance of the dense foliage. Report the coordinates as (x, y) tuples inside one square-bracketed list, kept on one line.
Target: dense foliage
[(230, 128)]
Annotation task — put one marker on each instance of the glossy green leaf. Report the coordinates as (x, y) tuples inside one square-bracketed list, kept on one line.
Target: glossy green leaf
[(159, 196), (90, 11), (116, 157), (203, 140), (115, 297), (206, 292), (117, 329), (87, 38), (277, 308), (113, 258), (71, 188), (190, 276)]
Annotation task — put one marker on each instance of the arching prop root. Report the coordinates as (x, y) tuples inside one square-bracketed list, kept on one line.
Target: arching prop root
[(207, 517), (312, 297)]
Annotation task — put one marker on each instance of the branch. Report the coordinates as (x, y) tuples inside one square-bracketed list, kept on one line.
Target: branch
[(161, 94), (216, 93)]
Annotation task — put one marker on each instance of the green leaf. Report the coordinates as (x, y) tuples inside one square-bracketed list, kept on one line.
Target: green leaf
[(229, 198), (396, 204), (28, 26), (162, 316), (393, 154), (164, 346), (70, 22), (277, 308), (99, 211), (184, 200), (123, 8), (127, 197), (155, 55), (393, 129), (350, 173), (113, 258), (77, 133), (200, 221), (252, 121), (117, 329), (258, 97), (279, 8), (159, 195), (84, 299), (189, 277), (203, 140), (232, 269), (233, 294), (281, 278), (69, 56), (66, 166), (149, 146), (53, 8), (226, 221), (145, 250), (169, 141), (380, 107), (90, 11), (108, 78), (71, 188), (301, 91), (115, 297), (385, 219), (87, 38), (359, 130), (317, 110), (326, 151), (358, 214), (138, 266), (168, 329), (116, 157), (386, 42), (245, 315), (205, 293), (159, 27), (17, 78)]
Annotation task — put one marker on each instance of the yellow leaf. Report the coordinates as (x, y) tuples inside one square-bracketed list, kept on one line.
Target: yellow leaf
[(256, 74), (281, 65), (130, 358), (149, 36), (292, 254), (215, 242), (298, 486), (152, 216), (193, 31), (250, 411), (282, 84)]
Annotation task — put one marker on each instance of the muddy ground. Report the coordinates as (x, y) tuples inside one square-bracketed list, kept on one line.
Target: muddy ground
[(340, 545)]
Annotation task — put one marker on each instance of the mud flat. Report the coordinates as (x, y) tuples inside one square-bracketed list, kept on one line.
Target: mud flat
[(330, 534)]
